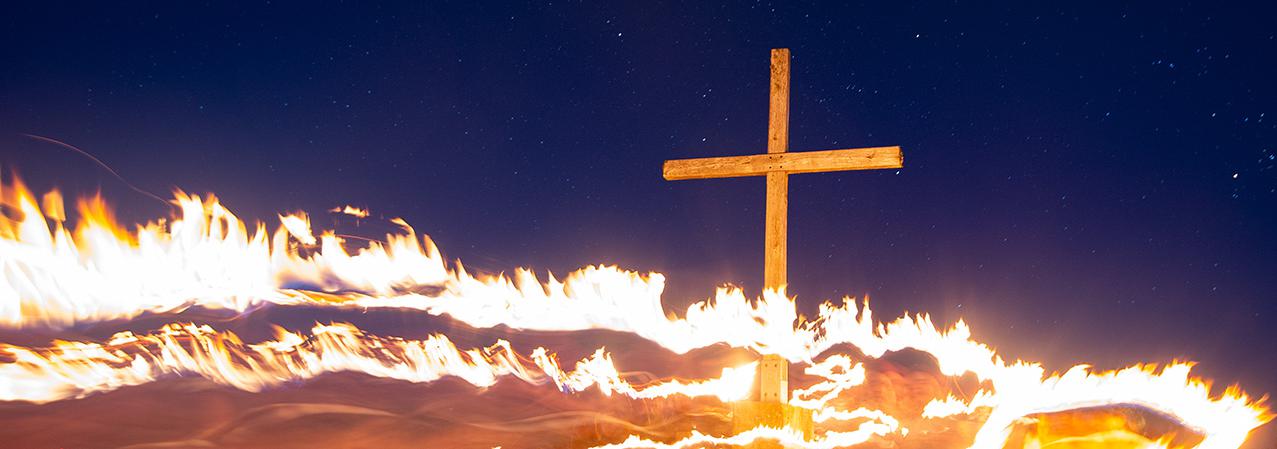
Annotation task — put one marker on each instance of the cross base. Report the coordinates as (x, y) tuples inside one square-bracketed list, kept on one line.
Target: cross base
[(747, 415)]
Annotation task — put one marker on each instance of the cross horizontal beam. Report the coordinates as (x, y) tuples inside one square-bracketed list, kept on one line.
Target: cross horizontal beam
[(791, 163)]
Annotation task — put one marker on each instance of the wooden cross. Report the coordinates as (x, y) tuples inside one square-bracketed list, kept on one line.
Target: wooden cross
[(777, 165)]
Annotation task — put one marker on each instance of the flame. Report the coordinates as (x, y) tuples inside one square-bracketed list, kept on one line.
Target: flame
[(74, 369), (353, 211), (298, 226), (839, 376), (786, 437), (206, 256)]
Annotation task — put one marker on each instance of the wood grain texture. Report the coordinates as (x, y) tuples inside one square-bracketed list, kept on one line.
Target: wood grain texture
[(775, 238), (776, 231), (791, 163), (778, 106)]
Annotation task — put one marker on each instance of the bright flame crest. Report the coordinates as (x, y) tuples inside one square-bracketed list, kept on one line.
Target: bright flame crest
[(53, 275)]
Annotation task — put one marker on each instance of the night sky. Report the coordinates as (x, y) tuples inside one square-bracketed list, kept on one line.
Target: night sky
[(1080, 184)]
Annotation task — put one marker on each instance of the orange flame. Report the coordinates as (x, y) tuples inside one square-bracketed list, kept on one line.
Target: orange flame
[(353, 211), (208, 257), (74, 369)]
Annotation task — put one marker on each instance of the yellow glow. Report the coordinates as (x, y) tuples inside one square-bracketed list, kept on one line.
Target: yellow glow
[(205, 256)]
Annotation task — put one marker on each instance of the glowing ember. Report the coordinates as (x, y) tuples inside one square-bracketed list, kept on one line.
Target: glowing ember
[(55, 276), (351, 211)]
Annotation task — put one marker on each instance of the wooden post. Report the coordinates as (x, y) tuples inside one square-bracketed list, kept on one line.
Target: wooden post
[(774, 240), (769, 407)]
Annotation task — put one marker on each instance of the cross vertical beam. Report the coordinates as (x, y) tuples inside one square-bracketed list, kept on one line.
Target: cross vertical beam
[(777, 164), (775, 239)]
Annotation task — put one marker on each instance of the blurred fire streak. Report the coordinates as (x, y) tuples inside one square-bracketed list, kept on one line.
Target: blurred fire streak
[(55, 276)]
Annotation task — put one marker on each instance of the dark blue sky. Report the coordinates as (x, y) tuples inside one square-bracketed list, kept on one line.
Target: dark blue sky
[(1083, 185)]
